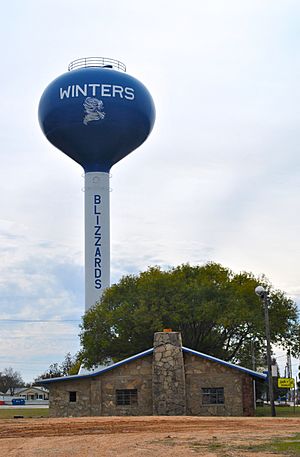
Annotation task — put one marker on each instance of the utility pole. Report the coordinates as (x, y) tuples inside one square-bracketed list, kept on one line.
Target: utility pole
[(263, 295), (288, 372), (253, 368)]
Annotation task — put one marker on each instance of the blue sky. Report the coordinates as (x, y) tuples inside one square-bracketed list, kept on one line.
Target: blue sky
[(218, 179)]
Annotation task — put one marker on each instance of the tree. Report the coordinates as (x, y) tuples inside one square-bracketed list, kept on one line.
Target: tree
[(10, 380), (53, 371), (70, 365), (216, 311)]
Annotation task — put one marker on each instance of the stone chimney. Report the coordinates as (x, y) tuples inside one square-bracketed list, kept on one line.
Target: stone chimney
[(168, 378)]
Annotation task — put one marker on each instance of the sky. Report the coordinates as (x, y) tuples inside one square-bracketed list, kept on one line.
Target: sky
[(217, 180)]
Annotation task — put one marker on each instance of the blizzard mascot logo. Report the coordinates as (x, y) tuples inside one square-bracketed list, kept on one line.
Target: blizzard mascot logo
[(93, 109)]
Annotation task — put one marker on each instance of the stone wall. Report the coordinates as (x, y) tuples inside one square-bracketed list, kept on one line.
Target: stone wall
[(59, 404), (202, 373), (168, 384), (96, 396), (133, 375), (248, 396)]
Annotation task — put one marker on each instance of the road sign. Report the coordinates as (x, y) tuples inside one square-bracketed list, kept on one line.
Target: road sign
[(286, 383)]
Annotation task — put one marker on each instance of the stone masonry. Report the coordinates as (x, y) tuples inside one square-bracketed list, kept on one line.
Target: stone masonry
[(169, 381), (238, 388), (96, 396), (168, 378)]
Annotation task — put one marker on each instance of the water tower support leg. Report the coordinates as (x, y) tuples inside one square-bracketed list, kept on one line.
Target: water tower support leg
[(97, 239)]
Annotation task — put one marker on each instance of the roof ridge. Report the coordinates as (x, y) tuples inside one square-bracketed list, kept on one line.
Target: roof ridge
[(148, 352), (225, 363)]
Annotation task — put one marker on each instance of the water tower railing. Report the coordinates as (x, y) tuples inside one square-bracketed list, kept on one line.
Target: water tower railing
[(96, 62)]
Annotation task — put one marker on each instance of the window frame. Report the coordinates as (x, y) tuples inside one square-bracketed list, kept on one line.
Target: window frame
[(72, 395), (213, 396), (126, 397)]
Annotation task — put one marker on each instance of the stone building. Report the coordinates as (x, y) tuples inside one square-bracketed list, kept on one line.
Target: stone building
[(168, 379)]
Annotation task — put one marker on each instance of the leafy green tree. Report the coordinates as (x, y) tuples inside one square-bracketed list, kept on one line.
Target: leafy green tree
[(70, 365), (216, 311), (53, 371)]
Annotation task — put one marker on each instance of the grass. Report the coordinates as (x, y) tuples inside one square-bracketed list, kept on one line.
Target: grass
[(288, 446), (291, 447), (261, 411), (25, 412), (265, 411), (281, 411), (284, 446)]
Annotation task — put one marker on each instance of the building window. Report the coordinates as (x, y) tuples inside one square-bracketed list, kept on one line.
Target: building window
[(72, 397), (213, 396), (126, 397)]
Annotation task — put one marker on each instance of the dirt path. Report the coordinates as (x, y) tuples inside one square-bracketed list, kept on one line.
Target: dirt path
[(142, 436)]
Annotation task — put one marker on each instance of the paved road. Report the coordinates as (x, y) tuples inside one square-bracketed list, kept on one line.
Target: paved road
[(23, 406)]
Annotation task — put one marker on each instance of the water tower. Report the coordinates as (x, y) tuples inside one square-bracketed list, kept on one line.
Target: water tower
[(96, 114)]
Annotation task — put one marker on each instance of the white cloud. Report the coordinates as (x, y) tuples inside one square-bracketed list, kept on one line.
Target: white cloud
[(216, 180), (38, 280)]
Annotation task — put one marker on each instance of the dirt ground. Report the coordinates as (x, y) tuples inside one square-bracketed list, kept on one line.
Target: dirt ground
[(141, 436)]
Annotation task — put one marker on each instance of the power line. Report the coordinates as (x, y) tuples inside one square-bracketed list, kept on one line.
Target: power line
[(40, 320), (23, 363)]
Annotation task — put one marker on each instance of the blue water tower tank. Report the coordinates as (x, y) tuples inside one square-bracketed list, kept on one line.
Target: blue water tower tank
[(96, 114)]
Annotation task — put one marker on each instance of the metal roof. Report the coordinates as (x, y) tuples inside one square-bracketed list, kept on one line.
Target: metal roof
[(226, 364), (96, 373), (145, 353)]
